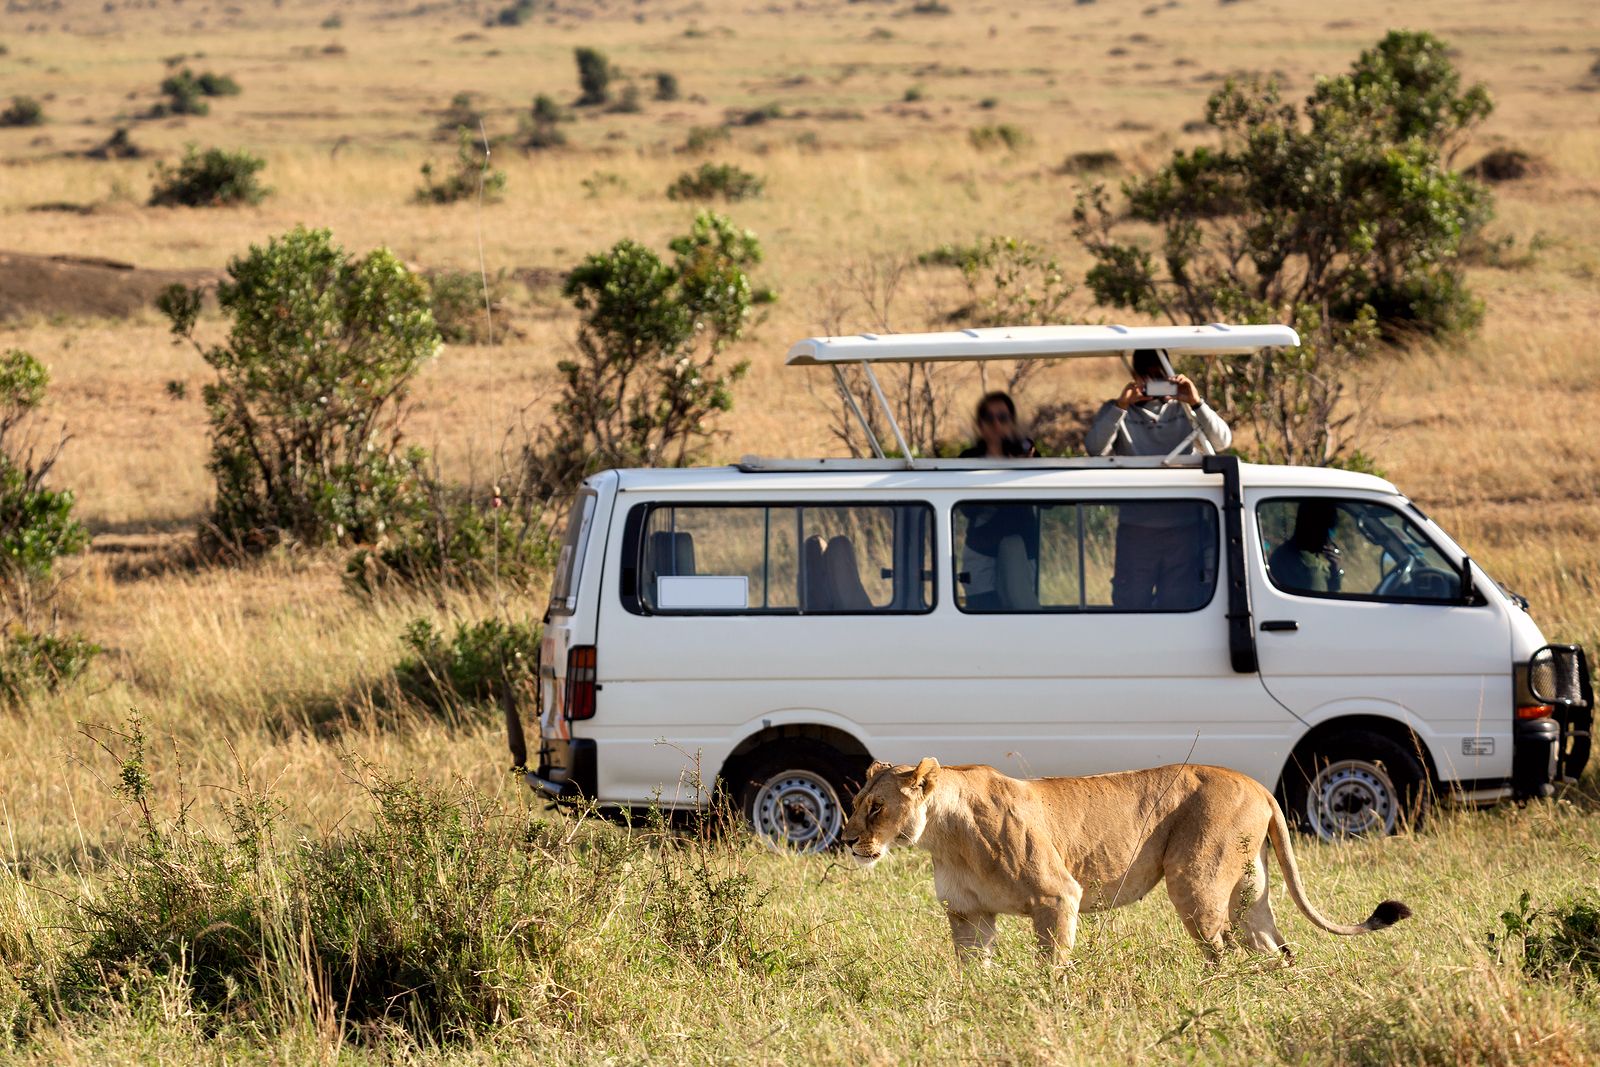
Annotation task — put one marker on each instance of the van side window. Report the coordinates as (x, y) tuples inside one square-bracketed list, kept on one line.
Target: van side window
[(1065, 556), (783, 559), (1352, 550), (569, 565)]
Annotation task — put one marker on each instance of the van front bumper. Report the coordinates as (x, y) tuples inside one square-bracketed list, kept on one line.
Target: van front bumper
[(566, 769), (1535, 758)]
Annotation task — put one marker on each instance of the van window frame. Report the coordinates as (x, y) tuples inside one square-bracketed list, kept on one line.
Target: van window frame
[(633, 551), (955, 558), (1459, 601)]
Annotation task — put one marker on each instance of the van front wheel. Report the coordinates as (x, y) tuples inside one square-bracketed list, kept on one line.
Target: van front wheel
[(1355, 784), (796, 795)]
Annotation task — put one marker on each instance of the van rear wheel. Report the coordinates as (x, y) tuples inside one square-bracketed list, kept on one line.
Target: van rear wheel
[(1355, 784), (796, 795)]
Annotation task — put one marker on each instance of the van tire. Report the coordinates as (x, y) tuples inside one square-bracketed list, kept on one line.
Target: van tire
[(796, 795), (1355, 783)]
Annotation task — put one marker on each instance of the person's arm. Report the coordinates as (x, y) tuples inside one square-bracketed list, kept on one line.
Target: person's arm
[(1103, 431), (1211, 425)]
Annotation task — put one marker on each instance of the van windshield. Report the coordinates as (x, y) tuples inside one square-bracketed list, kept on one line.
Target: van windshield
[(569, 566)]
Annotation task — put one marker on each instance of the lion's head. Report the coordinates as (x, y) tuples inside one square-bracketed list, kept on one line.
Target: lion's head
[(891, 809)]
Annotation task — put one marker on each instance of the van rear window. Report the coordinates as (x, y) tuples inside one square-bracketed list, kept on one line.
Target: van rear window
[(1084, 555), (783, 559), (569, 565)]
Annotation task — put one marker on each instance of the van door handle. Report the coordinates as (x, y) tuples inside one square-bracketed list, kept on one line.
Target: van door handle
[(1274, 626)]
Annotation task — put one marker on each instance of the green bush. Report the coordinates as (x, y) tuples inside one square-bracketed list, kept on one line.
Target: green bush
[(23, 111), (667, 86), (470, 176), (716, 180), (1002, 135), (645, 385), (457, 541), (474, 663), (36, 663), (1343, 216), (305, 408), (213, 178), (444, 920), (36, 524), (594, 76), (547, 111), (704, 138), (462, 113), (516, 14), (186, 92), (1561, 942), (457, 298), (630, 102)]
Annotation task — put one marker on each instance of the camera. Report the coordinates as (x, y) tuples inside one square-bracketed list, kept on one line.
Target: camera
[(1158, 387)]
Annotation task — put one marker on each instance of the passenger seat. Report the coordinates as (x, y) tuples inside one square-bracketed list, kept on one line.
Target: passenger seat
[(844, 576)]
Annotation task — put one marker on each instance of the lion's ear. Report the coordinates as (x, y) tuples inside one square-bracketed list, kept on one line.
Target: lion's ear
[(877, 768), (927, 770)]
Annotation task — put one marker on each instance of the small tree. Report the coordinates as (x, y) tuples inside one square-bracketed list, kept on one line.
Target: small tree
[(594, 76), (645, 385), (213, 178), (1343, 216), (311, 384), (36, 523), (22, 111)]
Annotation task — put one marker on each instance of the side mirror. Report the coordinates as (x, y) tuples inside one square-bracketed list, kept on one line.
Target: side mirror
[(1464, 575)]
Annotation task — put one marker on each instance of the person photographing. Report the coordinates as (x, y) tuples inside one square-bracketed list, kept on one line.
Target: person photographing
[(1151, 416)]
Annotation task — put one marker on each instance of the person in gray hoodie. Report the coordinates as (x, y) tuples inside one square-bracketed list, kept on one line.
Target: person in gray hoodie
[(1166, 551), (1136, 424)]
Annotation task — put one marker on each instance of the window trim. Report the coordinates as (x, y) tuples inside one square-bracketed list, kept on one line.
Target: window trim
[(633, 552), (1459, 601), (955, 559)]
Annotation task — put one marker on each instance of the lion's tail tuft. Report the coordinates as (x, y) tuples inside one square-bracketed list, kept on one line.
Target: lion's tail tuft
[(1386, 915)]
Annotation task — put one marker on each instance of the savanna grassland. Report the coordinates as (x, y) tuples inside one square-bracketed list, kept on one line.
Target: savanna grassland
[(270, 675)]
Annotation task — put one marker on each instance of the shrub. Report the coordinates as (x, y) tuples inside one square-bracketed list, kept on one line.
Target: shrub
[(546, 110), (460, 113), (311, 382), (23, 111), (630, 102), (516, 14), (1561, 942), (594, 76), (477, 662), (667, 86), (645, 384), (186, 92), (36, 524), (704, 138), (334, 21), (714, 180), (118, 146), (458, 301), (1004, 135), (442, 920), (1090, 162), (1505, 165), (541, 130), (1342, 216), (929, 7), (913, 94), (471, 177), (213, 178), (35, 663), (458, 540)]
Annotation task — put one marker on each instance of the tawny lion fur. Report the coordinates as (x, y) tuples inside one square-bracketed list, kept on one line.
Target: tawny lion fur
[(1051, 848)]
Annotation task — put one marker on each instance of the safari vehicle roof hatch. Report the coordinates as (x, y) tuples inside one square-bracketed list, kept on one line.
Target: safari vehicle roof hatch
[(1022, 342)]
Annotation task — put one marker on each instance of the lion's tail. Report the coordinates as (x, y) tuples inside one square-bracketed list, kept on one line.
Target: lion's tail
[(1383, 916)]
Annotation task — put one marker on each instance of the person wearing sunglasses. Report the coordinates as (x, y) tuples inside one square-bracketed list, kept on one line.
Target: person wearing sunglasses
[(998, 434)]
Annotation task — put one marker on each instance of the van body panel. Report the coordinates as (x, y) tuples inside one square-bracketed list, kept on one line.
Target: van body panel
[(1033, 694)]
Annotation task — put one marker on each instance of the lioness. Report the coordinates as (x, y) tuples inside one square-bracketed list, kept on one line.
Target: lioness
[(1052, 847)]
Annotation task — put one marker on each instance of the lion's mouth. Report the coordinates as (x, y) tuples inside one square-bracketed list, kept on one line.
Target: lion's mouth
[(865, 858)]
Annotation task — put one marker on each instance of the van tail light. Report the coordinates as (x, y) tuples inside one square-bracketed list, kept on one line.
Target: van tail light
[(1535, 711), (580, 682)]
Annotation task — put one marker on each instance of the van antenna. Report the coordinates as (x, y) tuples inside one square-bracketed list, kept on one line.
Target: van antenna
[(483, 269)]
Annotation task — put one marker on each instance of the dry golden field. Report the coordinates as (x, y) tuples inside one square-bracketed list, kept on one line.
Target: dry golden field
[(1496, 436)]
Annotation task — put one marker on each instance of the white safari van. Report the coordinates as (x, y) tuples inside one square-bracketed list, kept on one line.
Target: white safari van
[(775, 625)]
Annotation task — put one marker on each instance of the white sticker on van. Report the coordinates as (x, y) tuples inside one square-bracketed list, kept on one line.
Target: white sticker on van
[(703, 592), (1477, 746)]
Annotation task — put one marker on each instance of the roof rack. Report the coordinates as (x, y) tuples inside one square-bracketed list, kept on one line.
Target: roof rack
[(777, 465), (1022, 342)]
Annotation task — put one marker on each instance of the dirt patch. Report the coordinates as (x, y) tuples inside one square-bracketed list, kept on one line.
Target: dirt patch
[(83, 286)]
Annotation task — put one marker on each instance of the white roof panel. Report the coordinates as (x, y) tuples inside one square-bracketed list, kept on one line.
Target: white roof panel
[(1037, 342)]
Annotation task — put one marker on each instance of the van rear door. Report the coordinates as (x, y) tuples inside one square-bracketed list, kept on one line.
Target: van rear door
[(571, 619)]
